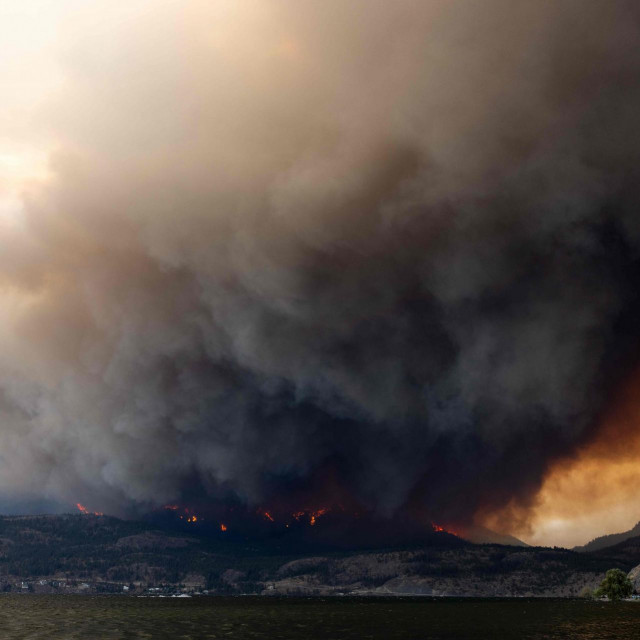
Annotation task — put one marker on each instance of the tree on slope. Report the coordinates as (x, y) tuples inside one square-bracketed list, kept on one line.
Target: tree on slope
[(615, 585)]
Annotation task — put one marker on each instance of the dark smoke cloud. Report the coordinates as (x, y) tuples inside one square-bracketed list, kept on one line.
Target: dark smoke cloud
[(391, 243)]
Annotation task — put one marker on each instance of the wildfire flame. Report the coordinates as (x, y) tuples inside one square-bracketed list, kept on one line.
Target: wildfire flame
[(189, 516), (440, 529), (310, 515), (266, 515), (314, 515), (83, 509), (274, 517)]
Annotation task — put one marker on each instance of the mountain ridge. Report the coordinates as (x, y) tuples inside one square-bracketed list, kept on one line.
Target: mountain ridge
[(96, 554), (609, 540)]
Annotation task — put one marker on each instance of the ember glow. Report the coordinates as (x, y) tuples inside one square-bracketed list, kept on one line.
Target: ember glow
[(314, 515), (82, 509), (287, 255), (309, 516), (440, 529), (183, 513)]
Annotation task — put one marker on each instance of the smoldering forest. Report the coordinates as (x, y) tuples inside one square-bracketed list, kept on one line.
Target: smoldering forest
[(302, 253)]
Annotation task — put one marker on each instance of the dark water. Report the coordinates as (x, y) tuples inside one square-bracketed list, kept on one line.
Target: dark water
[(32, 616)]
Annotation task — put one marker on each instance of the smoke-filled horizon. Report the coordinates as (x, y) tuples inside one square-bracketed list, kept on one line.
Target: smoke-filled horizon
[(380, 249)]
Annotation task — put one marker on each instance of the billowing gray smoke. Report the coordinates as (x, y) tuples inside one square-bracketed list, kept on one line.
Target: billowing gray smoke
[(390, 243)]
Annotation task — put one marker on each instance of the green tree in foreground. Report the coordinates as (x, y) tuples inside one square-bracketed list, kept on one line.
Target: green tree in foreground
[(615, 585)]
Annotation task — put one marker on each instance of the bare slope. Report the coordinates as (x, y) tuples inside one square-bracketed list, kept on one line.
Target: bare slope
[(106, 553)]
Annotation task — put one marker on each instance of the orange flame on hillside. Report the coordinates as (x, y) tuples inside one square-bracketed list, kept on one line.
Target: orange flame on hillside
[(83, 509), (314, 515), (189, 516), (266, 515), (309, 516), (440, 529)]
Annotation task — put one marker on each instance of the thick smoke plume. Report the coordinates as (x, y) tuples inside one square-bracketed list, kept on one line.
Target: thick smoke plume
[(385, 249)]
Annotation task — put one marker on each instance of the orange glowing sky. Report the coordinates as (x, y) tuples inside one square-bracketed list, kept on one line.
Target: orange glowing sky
[(594, 492)]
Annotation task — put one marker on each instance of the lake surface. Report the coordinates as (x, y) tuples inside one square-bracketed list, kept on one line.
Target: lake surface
[(93, 618)]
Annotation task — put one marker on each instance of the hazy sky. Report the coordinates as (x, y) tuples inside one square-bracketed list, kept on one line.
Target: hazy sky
[(247, 245)]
